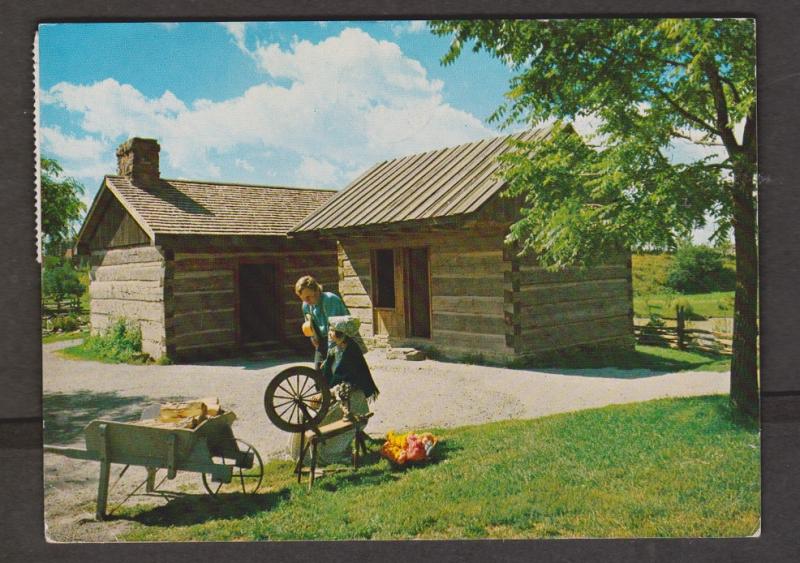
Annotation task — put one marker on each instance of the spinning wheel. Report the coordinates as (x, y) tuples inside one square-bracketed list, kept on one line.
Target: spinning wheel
[(297, 399)]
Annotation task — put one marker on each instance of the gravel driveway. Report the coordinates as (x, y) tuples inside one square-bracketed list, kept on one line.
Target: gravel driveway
[(413, 394)]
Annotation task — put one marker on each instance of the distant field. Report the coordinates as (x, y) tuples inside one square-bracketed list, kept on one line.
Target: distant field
[(650, 296), (650, 272), (717, 304)]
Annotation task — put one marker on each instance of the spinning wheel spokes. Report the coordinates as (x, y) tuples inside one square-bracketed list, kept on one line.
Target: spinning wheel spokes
[(297, 399)]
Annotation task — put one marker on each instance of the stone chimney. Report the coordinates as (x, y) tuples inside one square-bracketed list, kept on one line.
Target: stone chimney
[(137, 159)]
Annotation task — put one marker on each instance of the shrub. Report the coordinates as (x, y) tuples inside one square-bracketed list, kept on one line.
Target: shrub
[(121, 342), (473, 358), (650, 273), (65, 324), (164, 360), (431, 352), (699, 269)]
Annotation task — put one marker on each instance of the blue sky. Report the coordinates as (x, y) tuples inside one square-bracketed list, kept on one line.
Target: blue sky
[(281, 103), (289, 103)]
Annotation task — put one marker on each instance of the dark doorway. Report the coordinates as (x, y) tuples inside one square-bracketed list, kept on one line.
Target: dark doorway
[(419, 293), (257, 310)]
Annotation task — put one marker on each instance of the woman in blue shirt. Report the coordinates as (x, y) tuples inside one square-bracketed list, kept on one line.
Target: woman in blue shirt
[(318, 305)]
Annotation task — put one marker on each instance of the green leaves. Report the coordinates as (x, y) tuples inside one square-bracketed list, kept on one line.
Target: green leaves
[(61, 205), (648, 83)]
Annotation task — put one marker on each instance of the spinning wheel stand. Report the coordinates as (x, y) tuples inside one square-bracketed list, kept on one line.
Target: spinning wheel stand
[(297, 400)]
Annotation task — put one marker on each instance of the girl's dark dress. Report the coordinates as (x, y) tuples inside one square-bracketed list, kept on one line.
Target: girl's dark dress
[(351, 368)]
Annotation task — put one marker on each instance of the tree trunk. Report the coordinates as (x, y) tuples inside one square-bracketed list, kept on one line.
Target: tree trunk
[(744, 366)]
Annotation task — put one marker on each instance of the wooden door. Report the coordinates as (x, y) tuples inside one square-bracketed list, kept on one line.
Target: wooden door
[(418, 292), (258, 313)]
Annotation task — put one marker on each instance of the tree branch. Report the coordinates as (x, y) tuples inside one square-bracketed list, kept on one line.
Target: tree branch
[(676, 133), (721, 105), (732, 86), (688, 115), (672, 62)]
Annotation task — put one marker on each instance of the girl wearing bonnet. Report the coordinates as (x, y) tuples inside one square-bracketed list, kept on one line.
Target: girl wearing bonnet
[(349, 377)]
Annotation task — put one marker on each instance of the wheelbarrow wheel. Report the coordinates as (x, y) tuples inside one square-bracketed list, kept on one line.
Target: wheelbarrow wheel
[(297, 399), (243, 480)]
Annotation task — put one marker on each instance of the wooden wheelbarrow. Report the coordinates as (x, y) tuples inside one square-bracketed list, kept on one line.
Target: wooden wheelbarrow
[(210, 449)]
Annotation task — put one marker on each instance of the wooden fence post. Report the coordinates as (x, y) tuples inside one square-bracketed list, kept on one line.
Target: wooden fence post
[(681, 328)]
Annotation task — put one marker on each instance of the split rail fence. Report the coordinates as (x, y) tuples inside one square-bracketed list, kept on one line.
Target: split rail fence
[(683, 338)]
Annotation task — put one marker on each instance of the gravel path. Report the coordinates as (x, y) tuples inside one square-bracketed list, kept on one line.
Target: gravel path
[(413, 395)]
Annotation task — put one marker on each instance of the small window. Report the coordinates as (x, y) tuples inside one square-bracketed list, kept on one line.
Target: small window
[(384, 279)]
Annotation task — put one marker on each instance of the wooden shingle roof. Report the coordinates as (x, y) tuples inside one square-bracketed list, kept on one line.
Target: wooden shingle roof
[(440, 183), (186, 207)]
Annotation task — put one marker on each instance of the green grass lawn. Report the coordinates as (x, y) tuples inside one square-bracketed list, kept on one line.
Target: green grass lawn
[(88, 353), (667, 468), (61, 336), (655, 358), (717, 304)]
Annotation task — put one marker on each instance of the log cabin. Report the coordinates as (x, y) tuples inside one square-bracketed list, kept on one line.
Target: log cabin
[(204, 269), (416, 246), (423, 262)]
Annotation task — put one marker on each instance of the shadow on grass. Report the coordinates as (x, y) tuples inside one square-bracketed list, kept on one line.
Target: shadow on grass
[(636, 364), (67, 414), (189, 509), (736, 417)]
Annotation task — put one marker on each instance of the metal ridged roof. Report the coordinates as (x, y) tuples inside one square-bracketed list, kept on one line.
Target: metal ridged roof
[(188, 207), (446, 182)]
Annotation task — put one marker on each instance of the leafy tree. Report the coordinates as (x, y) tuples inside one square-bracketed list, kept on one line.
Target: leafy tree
[(59, 281), (61, 206), (649, 83), (698, 269)]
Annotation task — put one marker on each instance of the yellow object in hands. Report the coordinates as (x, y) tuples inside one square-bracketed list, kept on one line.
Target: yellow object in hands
[(308, 330)]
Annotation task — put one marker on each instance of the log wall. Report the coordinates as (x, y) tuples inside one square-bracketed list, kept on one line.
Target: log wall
[(550, 311), (466, 287), (486, 300), (203, 307), (129, 283)]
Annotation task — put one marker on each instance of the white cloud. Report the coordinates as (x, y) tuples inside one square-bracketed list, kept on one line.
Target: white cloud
[(318, 173), (112, 109), (67, 147), (336, 107), (238, 31), (86, 159), (413, 26), (169, 26), (244, 165)]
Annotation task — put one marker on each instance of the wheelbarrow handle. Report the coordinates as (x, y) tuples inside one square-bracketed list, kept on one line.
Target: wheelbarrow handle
[(71, 452)]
